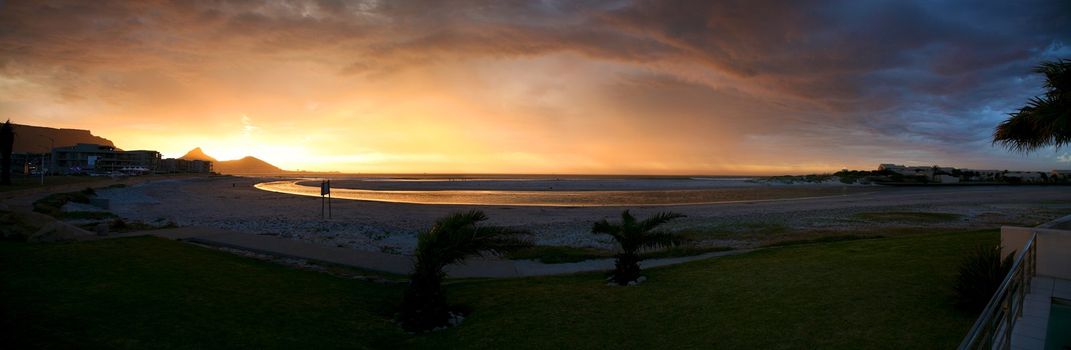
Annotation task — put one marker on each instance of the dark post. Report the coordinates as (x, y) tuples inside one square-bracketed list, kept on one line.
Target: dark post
[(325, 197), (7, 142)]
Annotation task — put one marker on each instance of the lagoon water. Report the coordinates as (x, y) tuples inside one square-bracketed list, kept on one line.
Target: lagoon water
[(552, 191)]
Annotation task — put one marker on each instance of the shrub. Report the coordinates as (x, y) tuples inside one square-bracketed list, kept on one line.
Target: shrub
[(633, 235), (52, 203), (980, 274), (451, 240), (118, 224)]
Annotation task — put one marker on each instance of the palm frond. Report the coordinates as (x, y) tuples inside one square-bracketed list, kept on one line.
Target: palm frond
[(1046, 119), (627, 220), (1042, 122), (1057, 75), (458, 236), (605, 227), (658, 219)]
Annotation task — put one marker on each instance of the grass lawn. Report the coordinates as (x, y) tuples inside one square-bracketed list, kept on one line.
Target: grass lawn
[(907, 216), (153, 293), (146, 292)]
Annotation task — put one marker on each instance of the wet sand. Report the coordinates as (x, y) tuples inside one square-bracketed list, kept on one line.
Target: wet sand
[(568, 193), (233, 203)]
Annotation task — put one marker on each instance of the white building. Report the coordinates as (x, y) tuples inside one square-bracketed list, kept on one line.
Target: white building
[(947, 179), (1025, 176)]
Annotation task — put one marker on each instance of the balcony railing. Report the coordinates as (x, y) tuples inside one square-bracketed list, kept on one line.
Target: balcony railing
[(993, 329)]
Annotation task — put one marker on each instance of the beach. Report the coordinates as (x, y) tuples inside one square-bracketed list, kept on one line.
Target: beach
[(234, 203)]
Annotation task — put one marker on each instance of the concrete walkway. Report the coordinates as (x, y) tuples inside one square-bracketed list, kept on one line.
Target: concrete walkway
[(396, 264)]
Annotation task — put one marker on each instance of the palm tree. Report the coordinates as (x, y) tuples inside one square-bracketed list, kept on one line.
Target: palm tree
[(451, 240), (7, 142), (1045, 120), (634, 235)]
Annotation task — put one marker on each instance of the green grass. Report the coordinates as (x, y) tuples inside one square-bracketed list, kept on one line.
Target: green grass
[(892, 293), (907, 216), (823, 239), (153, 293)]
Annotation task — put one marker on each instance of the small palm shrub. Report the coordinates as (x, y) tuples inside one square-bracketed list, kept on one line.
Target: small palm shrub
[(980, 274), (451, 240), (633, 235)]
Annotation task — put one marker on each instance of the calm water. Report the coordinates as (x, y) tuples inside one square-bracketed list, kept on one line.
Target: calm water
[(554, 191)]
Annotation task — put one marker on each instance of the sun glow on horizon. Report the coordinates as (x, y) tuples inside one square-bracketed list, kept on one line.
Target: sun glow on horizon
[(530, 87)]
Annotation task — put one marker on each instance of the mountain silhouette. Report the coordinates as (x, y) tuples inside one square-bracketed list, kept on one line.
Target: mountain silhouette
[(247, 165), (38, 139), (198, 154)]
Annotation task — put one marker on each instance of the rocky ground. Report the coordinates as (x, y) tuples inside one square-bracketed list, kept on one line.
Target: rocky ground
[(232, 203)]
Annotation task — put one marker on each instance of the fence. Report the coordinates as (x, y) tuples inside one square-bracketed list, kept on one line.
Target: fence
[(993, 329)]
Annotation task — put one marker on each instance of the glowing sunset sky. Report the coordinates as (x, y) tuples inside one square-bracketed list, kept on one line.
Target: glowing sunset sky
[(724, 87)]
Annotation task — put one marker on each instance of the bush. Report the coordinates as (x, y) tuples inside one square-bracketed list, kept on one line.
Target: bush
[(451, 240), (52, 203), (980, 274), (632, 235)]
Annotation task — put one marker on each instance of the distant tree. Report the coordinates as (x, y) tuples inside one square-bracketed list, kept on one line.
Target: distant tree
[(1046, 119), (451, 240), (634, 235), (7, 142)]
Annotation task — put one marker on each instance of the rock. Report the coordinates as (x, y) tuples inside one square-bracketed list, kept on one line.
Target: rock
[(102, 229), (58, 231), (102, 203), (455, 319), (80, 207), (641, 279)]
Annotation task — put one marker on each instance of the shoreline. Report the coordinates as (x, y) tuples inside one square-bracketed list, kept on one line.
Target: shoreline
[(557, 198), (233, 203)]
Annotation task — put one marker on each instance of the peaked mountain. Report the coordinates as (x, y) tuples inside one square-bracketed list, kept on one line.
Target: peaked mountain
[(247, 165), (198, 154), (37, 139)]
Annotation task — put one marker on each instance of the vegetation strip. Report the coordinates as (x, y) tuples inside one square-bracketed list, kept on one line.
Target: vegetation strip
[(889, 293)]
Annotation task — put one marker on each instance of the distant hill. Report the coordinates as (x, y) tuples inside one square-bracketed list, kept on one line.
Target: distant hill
[(247, 165), (35, 139), (198, 154)]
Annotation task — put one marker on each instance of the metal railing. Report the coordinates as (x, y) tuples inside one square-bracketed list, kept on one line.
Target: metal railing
[(993, 329)]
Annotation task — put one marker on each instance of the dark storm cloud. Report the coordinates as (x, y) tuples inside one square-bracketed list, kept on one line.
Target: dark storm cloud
[(912, 72)]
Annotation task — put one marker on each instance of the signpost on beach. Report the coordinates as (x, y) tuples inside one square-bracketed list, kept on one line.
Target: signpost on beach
[(325, 197)]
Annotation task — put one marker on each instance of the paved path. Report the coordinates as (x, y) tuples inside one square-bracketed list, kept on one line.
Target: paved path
[(397, 264)]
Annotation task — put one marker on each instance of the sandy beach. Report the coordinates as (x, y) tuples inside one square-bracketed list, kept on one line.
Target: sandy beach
[(233, 203)]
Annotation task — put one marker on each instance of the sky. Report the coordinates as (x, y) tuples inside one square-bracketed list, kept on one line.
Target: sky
[(599, 87)]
